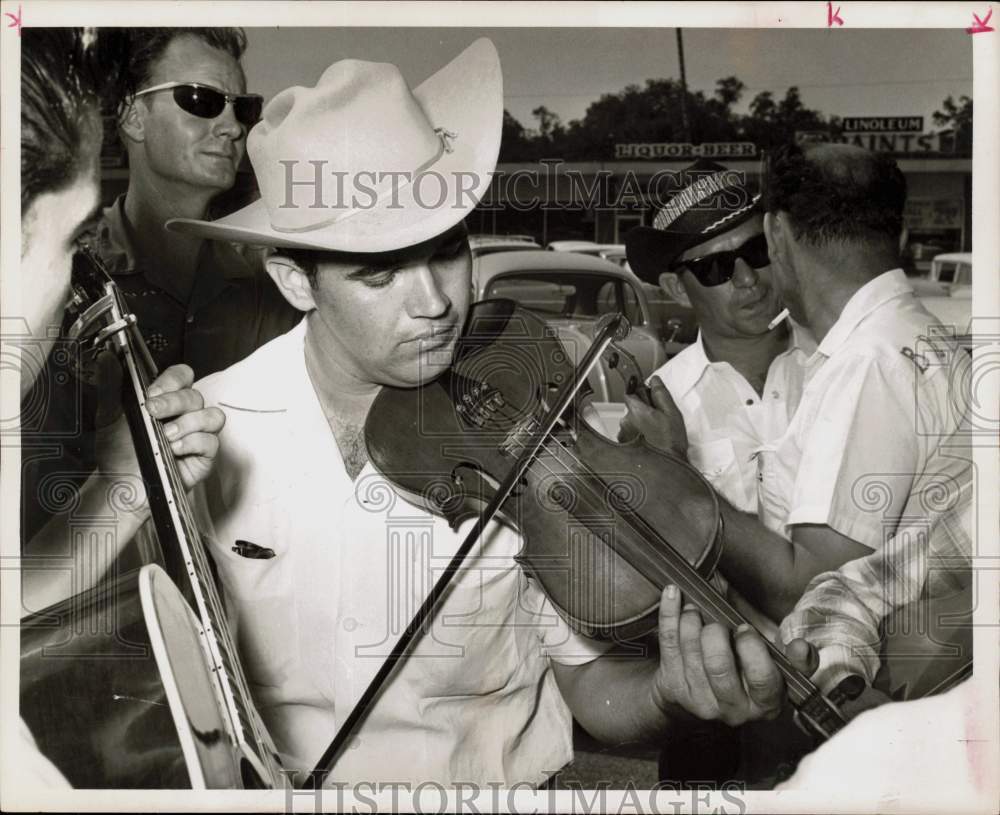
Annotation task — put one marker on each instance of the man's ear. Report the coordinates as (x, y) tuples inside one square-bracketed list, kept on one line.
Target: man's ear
[(777, 232), (292, 282), (131, 122), (904, 238), (671, 284)]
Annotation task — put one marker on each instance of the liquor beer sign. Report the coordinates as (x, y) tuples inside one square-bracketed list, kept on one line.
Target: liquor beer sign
[(685, 150)]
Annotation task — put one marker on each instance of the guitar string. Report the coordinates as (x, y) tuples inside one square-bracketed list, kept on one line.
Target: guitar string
[(195, 548)]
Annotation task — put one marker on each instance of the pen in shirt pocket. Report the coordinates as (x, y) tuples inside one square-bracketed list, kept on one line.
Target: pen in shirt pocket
[(252, 550)]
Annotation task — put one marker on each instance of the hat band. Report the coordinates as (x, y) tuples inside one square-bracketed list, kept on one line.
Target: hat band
[(730, 215), (693, 195), (445, 138)]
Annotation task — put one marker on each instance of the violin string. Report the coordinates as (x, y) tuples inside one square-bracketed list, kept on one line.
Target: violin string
[(697, 586)]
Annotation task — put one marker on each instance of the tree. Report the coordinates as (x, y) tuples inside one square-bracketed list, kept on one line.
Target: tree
[(772, 123), (729, 91), (956, 117), (652, 113), (549, 123), (514, 142)]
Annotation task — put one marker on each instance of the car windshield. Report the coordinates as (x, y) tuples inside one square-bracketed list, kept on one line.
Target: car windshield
[(568, 294), (954, 272)]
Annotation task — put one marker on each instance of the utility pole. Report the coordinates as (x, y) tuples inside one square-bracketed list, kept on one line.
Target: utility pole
[(684, 87)]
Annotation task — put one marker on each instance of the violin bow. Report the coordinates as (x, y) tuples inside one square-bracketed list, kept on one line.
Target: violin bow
[(611, 328)]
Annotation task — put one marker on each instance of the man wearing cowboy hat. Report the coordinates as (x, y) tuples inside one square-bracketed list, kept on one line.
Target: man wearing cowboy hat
[(328, 561)]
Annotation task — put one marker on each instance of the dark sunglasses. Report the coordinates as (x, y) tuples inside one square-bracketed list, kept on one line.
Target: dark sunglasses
[(208, 103), (719, 267)]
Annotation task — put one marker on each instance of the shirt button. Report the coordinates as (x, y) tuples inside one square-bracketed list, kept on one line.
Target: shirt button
[(190, 319), (775, 394), (749, 401)]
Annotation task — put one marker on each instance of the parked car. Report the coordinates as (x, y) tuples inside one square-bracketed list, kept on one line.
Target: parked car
[(488, 244), (676, 322), (572, 292), (946, 291), (610, 251)]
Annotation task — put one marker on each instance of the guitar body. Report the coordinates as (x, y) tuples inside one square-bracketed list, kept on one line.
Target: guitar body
[(117, 691), (136, 684)]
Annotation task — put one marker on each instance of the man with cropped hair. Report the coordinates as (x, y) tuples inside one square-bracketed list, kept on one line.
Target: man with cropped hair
[(184, 121), (185, 129), (873, 446)]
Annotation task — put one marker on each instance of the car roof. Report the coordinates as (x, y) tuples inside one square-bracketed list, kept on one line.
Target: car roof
[(954, 257), (572, 246), (543, 260)]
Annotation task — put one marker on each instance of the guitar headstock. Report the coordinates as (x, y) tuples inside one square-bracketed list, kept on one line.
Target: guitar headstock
[(88, 279)]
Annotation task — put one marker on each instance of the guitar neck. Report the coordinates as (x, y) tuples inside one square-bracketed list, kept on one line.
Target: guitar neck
[(174, 523)]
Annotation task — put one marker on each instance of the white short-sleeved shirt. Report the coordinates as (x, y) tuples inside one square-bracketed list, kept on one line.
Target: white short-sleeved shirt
[(475, 702), (726, 420), (874, 408)]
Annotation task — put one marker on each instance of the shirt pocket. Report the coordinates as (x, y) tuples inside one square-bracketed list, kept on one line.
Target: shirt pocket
[(716, 460), (259, 600)]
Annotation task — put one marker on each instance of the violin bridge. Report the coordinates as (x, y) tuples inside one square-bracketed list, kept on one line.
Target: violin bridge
[(518, 437), (480, 405)]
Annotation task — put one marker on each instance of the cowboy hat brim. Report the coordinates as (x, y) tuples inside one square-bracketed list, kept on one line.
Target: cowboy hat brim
[(465, 98)]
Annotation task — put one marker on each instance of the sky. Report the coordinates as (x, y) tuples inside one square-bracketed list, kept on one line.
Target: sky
[(847, 72)]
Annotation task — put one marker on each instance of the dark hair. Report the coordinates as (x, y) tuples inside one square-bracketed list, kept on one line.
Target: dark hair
[(67, 76), (149, 44), (854, 196), (308, 260)]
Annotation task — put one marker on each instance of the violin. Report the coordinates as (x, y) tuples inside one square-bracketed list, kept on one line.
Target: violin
[(606, 526)]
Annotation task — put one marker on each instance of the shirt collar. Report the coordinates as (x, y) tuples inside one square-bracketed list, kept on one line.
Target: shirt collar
[(693, 361), (874, 294), (116, 251), (689, 366), (271, 380), (801, 339), (118, 254)]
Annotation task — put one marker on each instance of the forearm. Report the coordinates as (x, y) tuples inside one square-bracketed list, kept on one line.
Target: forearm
[(770, 570), (67, 557), (612, 698)]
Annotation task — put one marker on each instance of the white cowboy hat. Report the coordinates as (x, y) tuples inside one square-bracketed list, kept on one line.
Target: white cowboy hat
[(360, 163)]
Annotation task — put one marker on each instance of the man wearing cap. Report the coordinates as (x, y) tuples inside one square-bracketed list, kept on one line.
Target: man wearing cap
[(873, 441), (321, 561), (738, 384)]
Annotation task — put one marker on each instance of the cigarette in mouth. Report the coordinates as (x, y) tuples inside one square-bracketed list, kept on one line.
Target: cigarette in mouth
[(782, 315)]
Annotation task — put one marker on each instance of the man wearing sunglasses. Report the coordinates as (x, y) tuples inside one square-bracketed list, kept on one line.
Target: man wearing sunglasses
[(65, 72), (736, 386), (185, 130), (197, 302)]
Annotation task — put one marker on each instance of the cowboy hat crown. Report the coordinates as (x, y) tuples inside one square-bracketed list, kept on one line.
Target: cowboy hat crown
[(362, 163)]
